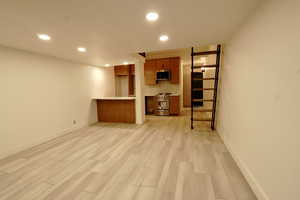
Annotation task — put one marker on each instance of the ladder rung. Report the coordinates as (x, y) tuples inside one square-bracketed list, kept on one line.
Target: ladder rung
[(205, 66), (204, 110), (203, 100), (203, 79), (197, 102), (201, 89), (202, 120), (204, 53)]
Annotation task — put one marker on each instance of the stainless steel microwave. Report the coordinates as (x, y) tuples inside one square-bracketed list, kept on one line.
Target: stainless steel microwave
[(163, 75)]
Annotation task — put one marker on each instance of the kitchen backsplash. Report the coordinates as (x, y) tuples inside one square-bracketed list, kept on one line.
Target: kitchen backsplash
[(162, 86)]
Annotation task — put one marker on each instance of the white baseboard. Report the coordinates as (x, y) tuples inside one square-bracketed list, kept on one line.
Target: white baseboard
[(256, 187), (41, 141)]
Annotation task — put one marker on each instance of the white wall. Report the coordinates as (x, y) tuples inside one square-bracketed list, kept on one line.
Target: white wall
[(41, 96), (160, 87), (259, 103), (122, 86)]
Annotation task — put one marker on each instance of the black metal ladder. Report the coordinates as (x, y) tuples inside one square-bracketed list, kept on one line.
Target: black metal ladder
[(196, 89)]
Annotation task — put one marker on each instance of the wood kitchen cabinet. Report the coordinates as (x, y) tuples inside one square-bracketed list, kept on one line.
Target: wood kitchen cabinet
[(163, 64), (128, 71), (154, 65), (132, 69), (116, 110), (174, 64), (150, 72), (151, 104), (174, 105), (122, 70), (131, 85)]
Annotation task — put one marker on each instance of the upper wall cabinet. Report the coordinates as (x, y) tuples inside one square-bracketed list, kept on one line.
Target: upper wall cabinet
[(163, 64), (124, 70), (154, 65), (150, 70)]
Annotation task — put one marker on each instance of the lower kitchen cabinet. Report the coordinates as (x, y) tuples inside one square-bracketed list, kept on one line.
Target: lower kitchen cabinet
[(174, 105), (116, 110), (151, 105)]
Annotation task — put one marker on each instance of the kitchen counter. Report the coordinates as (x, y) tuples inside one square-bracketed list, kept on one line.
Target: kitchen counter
[(173, 94), (116, 109), (115, 98)]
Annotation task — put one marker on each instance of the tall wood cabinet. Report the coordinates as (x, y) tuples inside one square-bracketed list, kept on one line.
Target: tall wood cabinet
[(174, 105), (128, 71), (174, 64)]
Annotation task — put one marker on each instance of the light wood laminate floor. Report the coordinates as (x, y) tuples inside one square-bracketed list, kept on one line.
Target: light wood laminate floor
[(160, 160)]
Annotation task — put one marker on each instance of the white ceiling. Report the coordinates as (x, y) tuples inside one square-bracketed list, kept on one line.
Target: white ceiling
[(112, 30)]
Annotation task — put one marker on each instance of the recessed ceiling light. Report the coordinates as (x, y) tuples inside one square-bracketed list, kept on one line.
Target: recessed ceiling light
[(164, 38), (125, 63), (44, 37), (107, 65), (81, 49), (152, 16)]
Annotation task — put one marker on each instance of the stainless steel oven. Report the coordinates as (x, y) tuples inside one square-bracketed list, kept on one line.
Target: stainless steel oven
[(163, 104)]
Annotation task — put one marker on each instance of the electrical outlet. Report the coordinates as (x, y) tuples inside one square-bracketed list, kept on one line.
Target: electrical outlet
[(74, 122)]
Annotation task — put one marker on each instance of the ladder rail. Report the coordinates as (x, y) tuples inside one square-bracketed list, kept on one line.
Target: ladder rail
[(192, 84), (216, 86)]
